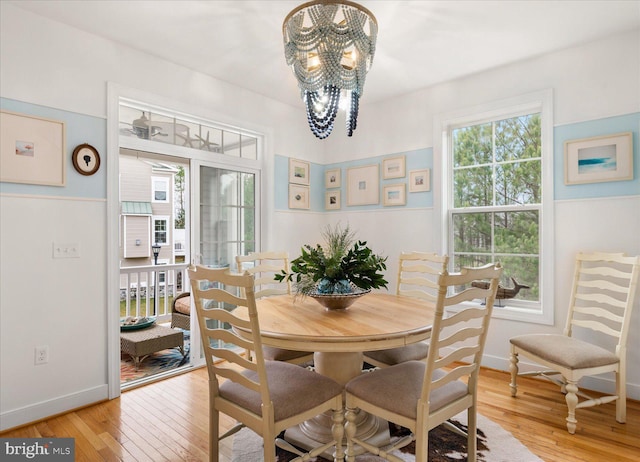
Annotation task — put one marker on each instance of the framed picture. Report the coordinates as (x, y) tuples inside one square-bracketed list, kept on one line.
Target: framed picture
[(298, 196), (419, 180), (32, 149), (363, 186), (332, 178), (598, 159), (393, 168), (394, 194), (332, 200), (298, 171)]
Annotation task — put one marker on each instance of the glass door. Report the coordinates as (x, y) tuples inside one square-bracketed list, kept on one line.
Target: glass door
[(226, 218)]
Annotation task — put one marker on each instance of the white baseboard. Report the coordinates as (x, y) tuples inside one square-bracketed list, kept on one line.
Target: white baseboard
[(605, 383), (44, 409)]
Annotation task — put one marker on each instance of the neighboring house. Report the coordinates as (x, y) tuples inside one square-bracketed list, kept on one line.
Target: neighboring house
[(146, 211), (146, 219)]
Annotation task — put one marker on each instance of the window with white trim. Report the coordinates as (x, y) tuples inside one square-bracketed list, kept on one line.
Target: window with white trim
[(499, 183), (160, 189), (160, 230)]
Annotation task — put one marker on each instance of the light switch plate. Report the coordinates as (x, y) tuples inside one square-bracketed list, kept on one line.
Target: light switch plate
[(66, 250)]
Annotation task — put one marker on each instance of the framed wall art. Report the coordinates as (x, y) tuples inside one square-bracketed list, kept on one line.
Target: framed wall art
[(298, 196), (32, 149), (599, 159), (332, 178), (393, 168), (363, 186), (298, 171), (394, 194), (332, 200), (419, 180)]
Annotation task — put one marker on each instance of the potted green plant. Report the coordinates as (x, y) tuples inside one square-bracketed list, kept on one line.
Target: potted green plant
[(343, 266)]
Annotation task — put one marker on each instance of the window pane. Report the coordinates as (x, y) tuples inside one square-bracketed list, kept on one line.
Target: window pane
[(210, 139), (470, 261), (518, 183), (227, 215), (160, 231), (472, 145), (231, 144), (518, 138), (525, 271), (249, 147), (185, 134), (161, 128), (472, 232), (517, 232), (473, 187)]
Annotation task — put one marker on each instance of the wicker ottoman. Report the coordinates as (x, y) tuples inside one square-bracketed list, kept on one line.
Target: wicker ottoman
[(141, 343)]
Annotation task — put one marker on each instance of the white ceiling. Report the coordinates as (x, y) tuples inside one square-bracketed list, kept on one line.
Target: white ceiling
[(420, 43)]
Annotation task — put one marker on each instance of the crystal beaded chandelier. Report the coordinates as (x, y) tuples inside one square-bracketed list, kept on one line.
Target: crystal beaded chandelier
[(330, 46)]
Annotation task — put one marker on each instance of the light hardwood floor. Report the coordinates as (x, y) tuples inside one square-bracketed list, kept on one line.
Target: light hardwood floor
[(168, 420)]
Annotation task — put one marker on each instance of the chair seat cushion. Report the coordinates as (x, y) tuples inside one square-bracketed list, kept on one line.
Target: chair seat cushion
[(568, 352), (413, 352), (280, 354), (293, 389), (183, 305), (397, 388)]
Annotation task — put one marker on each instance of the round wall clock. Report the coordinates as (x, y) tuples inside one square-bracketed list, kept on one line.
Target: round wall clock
[(86, 159)]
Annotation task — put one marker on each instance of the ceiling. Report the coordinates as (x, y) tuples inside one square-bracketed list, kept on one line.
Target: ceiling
[(420, 43)]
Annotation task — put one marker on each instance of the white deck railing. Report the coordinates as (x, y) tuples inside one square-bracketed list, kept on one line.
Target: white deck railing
[(142, 296)]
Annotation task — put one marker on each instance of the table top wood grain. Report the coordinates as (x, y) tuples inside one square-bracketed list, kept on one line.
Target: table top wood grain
[(375, 321)]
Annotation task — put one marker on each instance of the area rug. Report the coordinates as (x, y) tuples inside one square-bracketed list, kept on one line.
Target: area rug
[(494, 445), (161, 361)]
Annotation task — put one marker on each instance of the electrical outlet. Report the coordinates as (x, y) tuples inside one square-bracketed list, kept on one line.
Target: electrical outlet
[(42, 354), (66, 250)]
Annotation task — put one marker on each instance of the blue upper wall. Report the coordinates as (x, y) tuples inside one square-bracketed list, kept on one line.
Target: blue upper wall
[(423, 158), (79, 129)]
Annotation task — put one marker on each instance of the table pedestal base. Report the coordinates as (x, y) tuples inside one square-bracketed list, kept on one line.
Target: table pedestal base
[(379, 437), (341, 367)]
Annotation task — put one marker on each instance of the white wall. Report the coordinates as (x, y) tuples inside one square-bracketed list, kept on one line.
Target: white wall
[(45, 300)]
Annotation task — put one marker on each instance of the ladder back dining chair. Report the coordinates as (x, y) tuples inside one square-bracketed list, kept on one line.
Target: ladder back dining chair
[(417, 277), (264, 266), (602, 296), (265, 396), (421, 395)]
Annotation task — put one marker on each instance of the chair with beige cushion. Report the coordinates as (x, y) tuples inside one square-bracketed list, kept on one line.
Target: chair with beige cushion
[(181, 311), (265, 396), (264, 266), (421, 395), (604, 286), (417, 277)]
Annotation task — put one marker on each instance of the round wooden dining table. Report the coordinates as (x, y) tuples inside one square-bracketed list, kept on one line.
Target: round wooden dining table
[(375, 321)]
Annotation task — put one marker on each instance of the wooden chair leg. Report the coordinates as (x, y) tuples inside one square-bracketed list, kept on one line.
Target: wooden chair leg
[(214, 434), (572, 401), (621, 391), (337, 430), (513, 368), (350, 430), (472, 434)]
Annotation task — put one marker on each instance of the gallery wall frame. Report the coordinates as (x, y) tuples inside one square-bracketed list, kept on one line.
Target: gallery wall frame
[(32, 149), (332, 178), (394, 194), (599, 159), (298, 171), (332, 200), (298, 196), (394, 167), (420, 180), (363, 185)]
